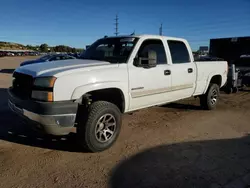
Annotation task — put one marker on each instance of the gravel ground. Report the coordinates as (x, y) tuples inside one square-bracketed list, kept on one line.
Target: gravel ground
[(177, 145)]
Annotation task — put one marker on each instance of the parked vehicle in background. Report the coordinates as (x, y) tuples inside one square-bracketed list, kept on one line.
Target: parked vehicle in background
[(34, 53), (18, 53), (76, 55), (229, 49), (10, 54), (243, 65), (47, 58), (2, 54), (114, 75), (208, 58)]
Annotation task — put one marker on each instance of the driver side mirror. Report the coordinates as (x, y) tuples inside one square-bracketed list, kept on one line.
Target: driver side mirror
[(147, 62)]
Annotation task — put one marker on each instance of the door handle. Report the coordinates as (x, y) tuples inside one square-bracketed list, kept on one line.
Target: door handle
[(190, 70), (167, 72)]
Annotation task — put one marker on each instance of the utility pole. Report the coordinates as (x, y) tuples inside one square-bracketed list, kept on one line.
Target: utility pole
[(160, 30), (116, 25)]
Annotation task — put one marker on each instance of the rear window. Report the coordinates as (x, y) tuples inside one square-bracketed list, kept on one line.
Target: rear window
[(179, 52)]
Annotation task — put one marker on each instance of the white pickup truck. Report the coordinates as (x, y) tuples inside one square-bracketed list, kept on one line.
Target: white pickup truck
[(114, 75)]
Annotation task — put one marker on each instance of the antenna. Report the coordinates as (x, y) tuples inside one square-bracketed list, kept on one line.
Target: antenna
[(116, 25), (160, 30), (133, 33)]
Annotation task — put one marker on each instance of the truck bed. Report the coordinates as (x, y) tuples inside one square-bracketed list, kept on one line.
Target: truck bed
[(207, 69)]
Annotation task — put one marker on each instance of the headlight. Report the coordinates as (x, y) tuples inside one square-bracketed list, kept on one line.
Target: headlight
[(43, 89), (47, 82), (42, 95)]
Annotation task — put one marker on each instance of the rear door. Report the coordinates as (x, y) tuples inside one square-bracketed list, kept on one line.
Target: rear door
[(183, 70)]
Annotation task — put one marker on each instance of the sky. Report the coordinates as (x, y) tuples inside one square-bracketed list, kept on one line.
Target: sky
[(78, 23)]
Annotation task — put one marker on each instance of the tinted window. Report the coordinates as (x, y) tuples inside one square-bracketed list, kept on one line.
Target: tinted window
[(178, 52), (153, 45)]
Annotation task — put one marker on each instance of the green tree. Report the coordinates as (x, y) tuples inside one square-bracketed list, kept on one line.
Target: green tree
[(44, 47), (52, 49), (29, 47)]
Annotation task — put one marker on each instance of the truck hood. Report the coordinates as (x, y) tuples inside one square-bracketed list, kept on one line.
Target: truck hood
[(58, 68)]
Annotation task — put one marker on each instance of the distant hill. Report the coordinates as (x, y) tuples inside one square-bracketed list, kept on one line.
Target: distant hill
[(11, 46), (41, 48)]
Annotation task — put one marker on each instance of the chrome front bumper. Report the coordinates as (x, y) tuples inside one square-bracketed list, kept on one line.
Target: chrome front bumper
[(59, 124)]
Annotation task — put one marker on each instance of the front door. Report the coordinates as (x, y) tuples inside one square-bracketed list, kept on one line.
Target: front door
[(149, 86)]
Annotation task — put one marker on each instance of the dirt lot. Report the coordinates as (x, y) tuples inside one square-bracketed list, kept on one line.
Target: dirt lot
[(178, 145)]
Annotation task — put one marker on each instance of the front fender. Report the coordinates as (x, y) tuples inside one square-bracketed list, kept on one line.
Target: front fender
[(81, 90)]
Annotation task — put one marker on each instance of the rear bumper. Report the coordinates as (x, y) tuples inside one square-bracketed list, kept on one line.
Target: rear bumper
[(56, 118)]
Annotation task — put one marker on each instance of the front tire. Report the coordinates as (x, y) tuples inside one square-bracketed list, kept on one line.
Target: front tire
[(210, 99), (100, 129)]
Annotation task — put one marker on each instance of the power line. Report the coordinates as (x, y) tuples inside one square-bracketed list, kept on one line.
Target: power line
[(116, 25)]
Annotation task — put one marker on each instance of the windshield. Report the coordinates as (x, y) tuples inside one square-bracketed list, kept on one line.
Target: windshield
[(44, 58), (113, 50)]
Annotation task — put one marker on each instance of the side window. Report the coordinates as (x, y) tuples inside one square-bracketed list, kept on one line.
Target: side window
[(179, 52), (157, 47)]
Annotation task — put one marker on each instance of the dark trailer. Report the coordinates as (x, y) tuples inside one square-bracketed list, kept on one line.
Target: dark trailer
[(230, 49)]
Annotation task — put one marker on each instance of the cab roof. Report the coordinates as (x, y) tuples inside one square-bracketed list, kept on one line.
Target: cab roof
[(148, 36)]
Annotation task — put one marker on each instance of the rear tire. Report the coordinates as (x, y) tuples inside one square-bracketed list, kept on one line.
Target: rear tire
[(100, 127), (229, 90), (235, 90), (210, 99)]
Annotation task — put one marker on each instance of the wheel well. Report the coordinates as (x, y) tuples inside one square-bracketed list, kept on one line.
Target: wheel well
[(113, 95), (217, 79)]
